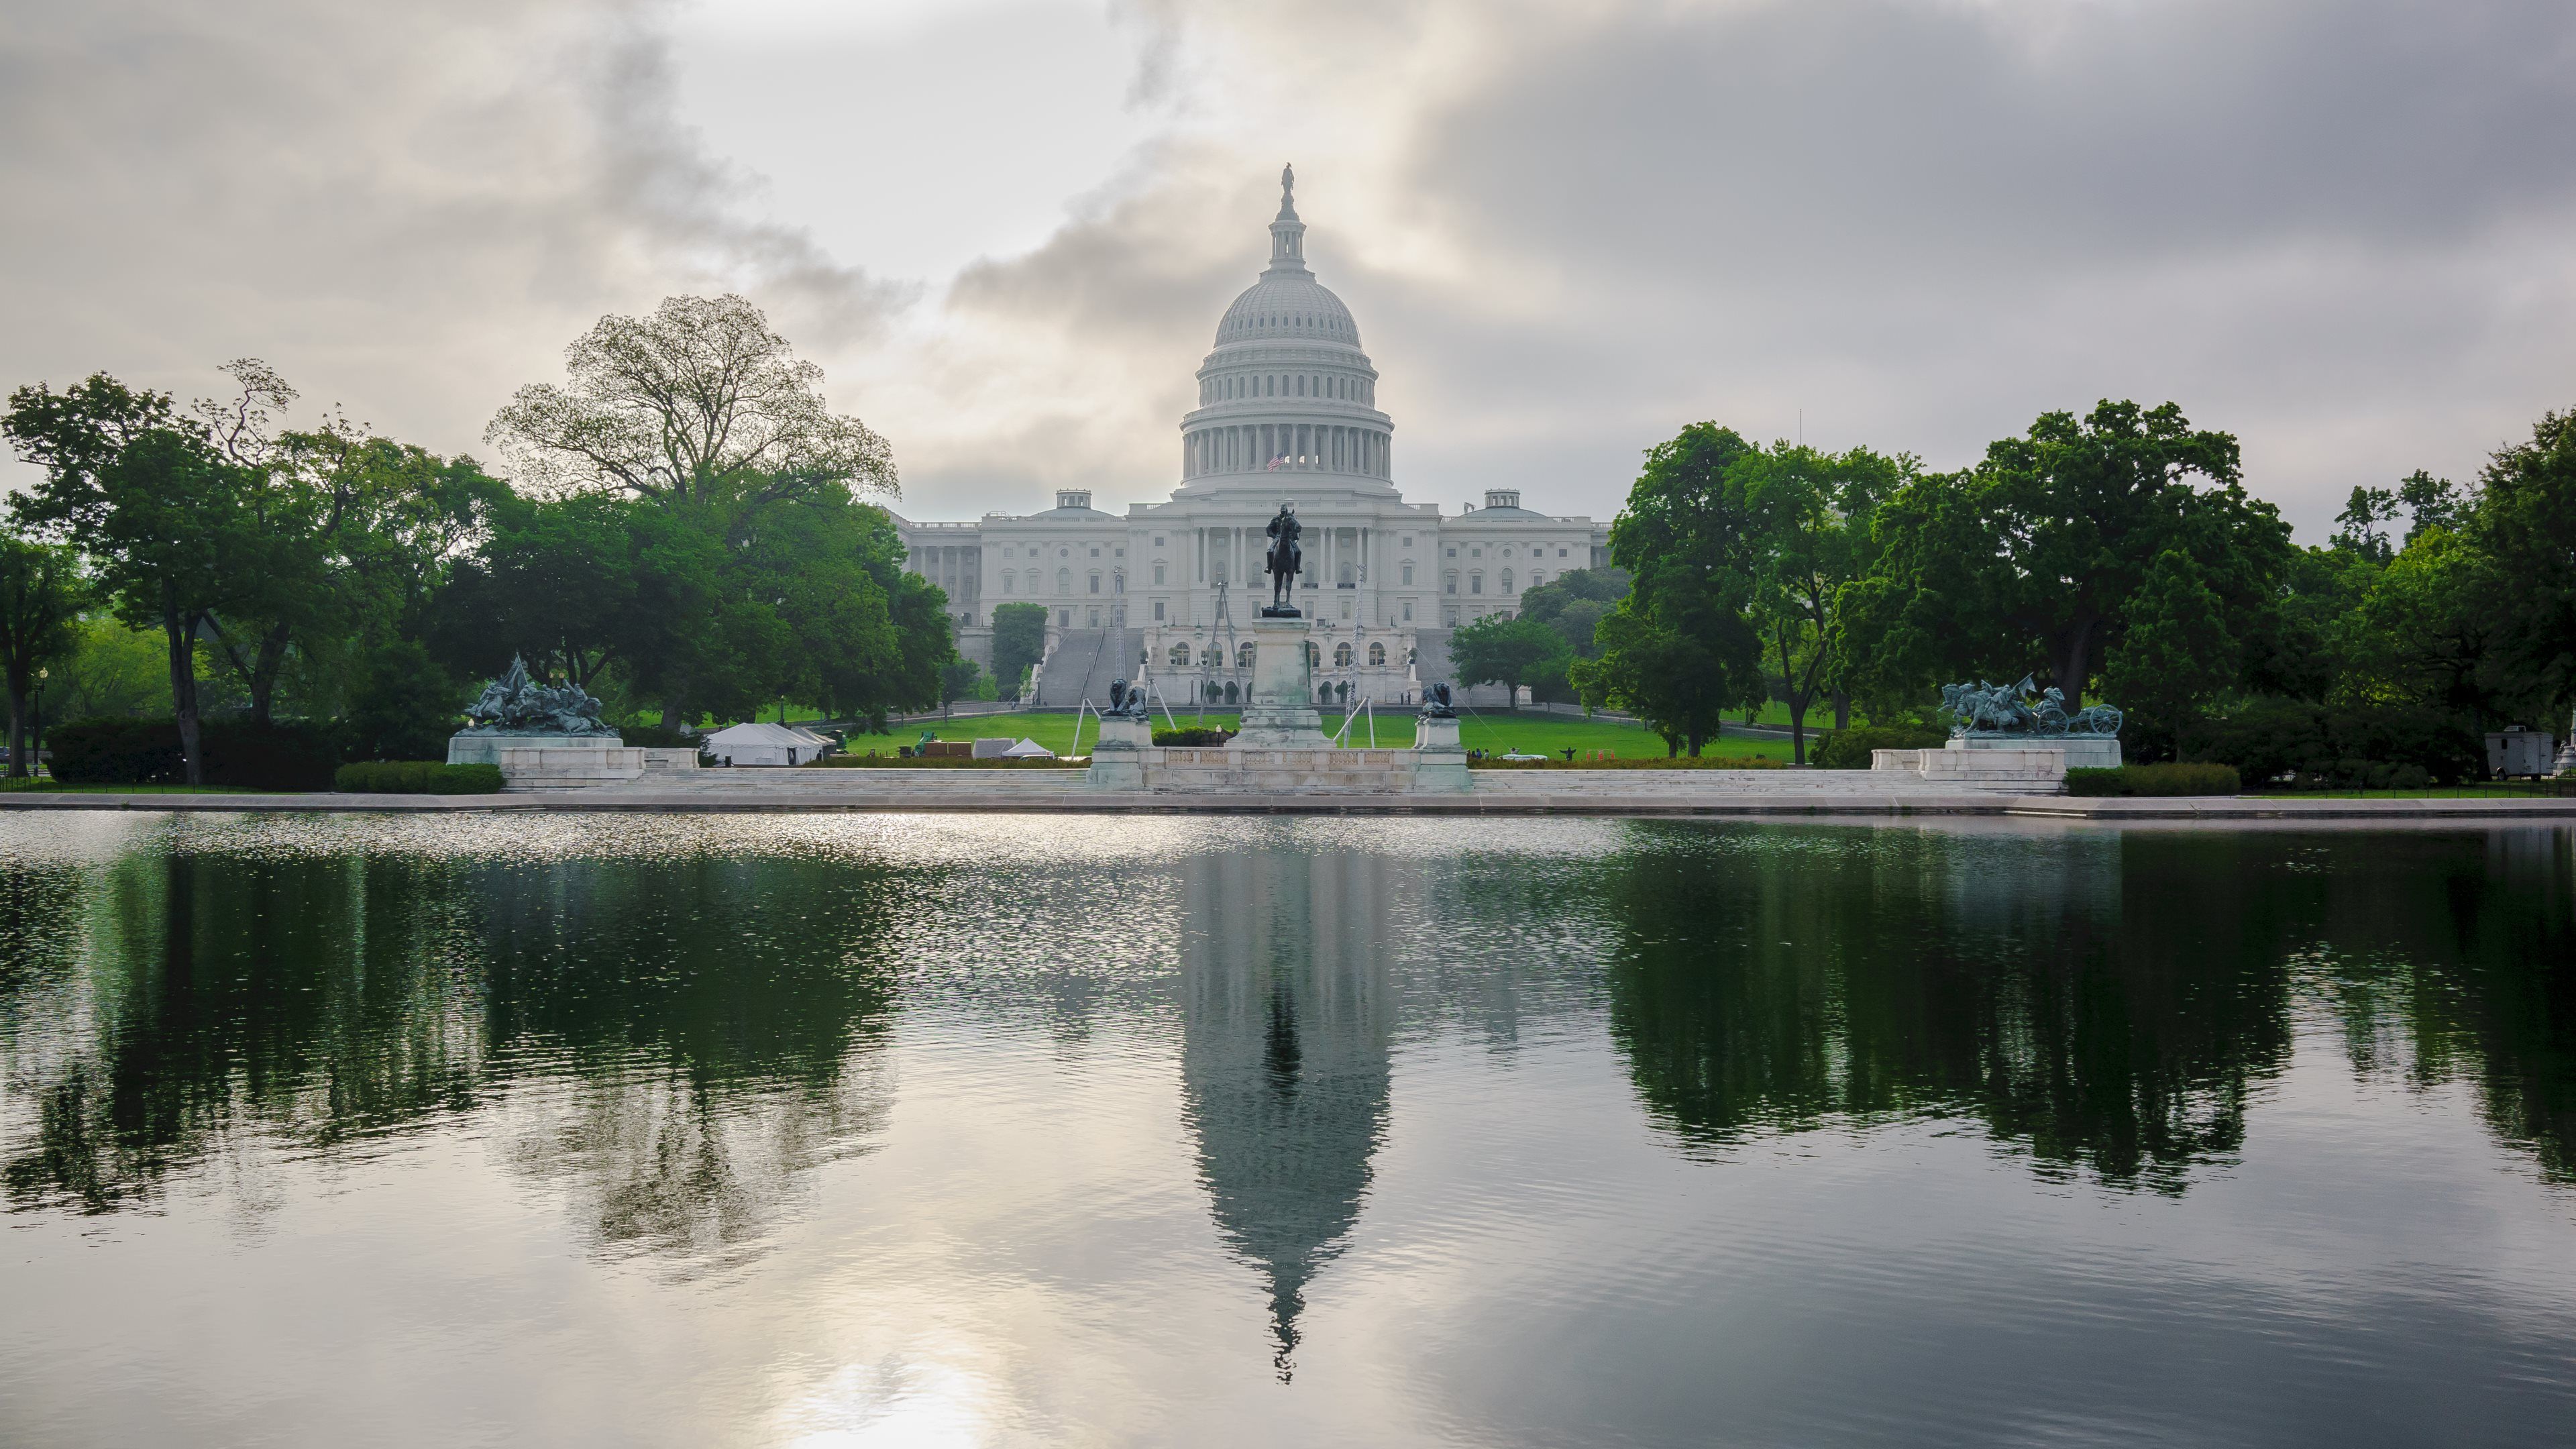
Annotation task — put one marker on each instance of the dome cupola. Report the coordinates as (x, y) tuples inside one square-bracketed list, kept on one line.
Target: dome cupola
[(1287, 385)]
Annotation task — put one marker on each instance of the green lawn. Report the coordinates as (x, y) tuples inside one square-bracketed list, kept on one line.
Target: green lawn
[(1495, 731)]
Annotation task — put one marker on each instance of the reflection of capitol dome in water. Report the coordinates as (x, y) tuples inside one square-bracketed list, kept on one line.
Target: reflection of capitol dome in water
[(1284, 1057)]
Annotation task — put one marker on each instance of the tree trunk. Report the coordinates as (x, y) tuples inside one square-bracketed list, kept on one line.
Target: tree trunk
[(670, 714), (1842, 709), (265, 667), (183, 690), (17, 729), (2072, 663)]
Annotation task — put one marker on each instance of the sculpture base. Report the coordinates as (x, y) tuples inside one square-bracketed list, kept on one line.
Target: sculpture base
[(563, 762), (1118, 760), (1280, 611), (1439, 760), (1280, 714), (2081, 752)]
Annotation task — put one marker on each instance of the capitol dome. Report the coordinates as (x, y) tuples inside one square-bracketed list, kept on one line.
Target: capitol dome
[(1287, 386)]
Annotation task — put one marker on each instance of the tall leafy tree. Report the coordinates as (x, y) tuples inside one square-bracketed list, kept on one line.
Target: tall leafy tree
[(2525, 521), (1511, 652), (680, 406), (2032, 558), (1810, 513), (1683, 646), (1019, 642), (41, 595), (169, 523)]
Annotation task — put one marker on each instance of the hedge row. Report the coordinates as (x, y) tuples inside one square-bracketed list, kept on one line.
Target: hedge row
[(2154, 780), (1201, 738), (416, 777), (237, 753)]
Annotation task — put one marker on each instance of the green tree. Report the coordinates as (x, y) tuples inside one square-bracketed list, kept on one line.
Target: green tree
[(112, 671), (2525, 522), (1573, 604), (1511, 652), (168, 522), (962, 679), (2032, 558), (1810, 513), (1019, 642), (580, 584), (1669, 680), (402, 706), (41, 596), (2176, 653), (1688, 547)]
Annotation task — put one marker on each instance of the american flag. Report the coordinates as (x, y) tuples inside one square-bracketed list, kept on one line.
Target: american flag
[(1275, 462)]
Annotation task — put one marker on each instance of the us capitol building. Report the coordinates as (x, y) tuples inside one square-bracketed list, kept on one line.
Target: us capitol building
[(1287, 411)]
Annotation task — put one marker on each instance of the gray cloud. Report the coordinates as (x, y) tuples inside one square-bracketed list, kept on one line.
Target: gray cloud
[(2336, 229), (407, 209)]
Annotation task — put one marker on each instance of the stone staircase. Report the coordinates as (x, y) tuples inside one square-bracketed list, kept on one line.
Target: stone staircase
[(1083, 664)]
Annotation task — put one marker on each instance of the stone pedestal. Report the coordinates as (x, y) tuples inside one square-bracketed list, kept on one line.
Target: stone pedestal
[(1118, 760), (555, 762), (2079, 752), (1280, 714), (1439, 761), (2020, 769)]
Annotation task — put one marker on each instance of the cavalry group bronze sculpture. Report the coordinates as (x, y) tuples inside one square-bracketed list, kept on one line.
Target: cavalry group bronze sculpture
[(2013, 711)]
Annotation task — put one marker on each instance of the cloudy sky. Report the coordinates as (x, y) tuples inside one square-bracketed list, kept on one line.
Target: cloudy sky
[(2337, 228)]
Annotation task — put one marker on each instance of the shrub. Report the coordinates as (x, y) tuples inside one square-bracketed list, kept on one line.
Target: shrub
[(238, 753), (1849, 749), (2154, 780), (417, 777), (2087, 780), (466, 780), (2284, 743), (1194, 736), (1639, 762)]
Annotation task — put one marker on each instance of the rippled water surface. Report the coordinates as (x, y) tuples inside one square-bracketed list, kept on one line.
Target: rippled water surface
[(904, 1131)]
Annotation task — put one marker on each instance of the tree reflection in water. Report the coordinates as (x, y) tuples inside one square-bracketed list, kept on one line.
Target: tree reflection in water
[(669, 1041), (2107, 999)]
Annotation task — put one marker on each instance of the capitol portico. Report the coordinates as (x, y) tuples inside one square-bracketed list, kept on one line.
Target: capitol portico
[(1287, 412)]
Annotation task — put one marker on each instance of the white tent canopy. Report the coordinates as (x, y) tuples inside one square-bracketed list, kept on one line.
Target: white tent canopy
[(760, 743)]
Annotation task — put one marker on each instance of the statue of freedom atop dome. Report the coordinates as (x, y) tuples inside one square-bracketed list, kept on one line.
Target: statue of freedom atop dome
[(1287, 560)]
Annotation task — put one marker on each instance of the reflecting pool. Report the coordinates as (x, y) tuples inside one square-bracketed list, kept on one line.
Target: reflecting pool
[(996, 1130)]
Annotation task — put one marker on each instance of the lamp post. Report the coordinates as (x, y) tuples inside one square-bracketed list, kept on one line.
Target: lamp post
[(36, 751)]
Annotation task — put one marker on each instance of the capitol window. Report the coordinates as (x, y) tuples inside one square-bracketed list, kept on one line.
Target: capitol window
[(1408, 611), (1408, 540), (1560, 553), (1377, 656), (1180, 652), (1477, 552), (1243, 655), (1158, 540), (1095, 581), (1537, 579), (1408, 575), (1158, 611), (1064, 581), (1095, 550), (1007, 577), (1449, 582), (1341, 656), (1158, 571), (1507, 581), (1453, 550), (1476, 582)]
